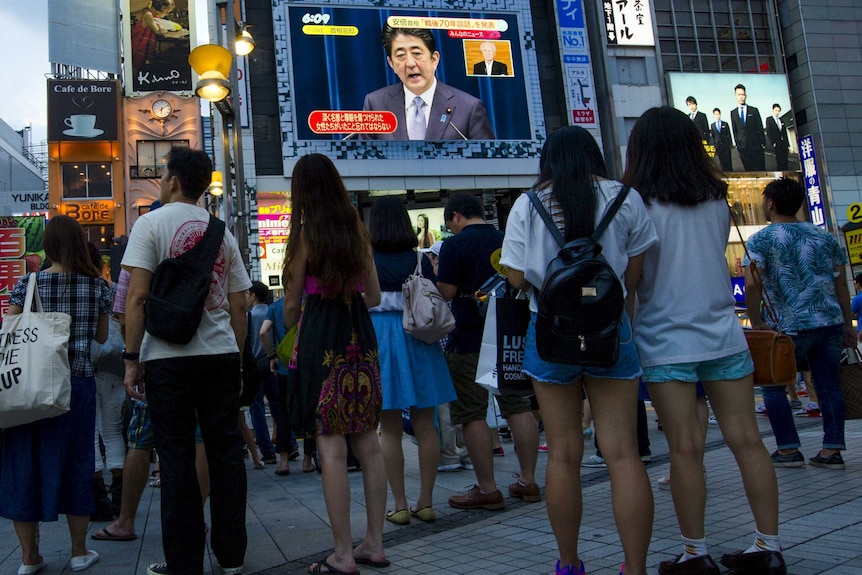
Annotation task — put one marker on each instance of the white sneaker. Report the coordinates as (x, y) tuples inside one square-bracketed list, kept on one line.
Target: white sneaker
[(810, 410), (233, 570), (664, 483), (760, 409), (449, 467), (594, 461), (713, 420)]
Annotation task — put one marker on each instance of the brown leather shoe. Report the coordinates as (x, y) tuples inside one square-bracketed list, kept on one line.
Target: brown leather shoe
[(529, 493), (703, 565), (474, 499), (760, 563)]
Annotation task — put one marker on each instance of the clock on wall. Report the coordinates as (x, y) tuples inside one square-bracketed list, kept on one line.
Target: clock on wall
[(162, 109)]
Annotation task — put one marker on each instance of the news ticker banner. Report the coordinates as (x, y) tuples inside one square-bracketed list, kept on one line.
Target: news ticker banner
[(21, 252)]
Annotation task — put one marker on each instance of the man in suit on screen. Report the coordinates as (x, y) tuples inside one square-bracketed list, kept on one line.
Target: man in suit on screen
[(489, 66), (748, 133), (721, 138), (699, 118), (426, 108), (777, 132)]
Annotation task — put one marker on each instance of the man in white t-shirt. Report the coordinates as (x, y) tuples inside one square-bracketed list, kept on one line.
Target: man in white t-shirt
[(198, 381)]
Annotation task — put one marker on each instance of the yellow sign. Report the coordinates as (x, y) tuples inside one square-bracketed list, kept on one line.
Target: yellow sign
[(854, 246), (495, 262), (89, 213), (854, 213)]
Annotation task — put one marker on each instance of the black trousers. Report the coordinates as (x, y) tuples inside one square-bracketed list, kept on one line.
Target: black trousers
[(182, 392)]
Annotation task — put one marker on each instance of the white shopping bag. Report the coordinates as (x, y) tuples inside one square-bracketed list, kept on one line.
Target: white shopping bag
[(35, 378)]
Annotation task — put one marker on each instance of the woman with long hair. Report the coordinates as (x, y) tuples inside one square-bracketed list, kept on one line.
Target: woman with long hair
[(54, 457), (686, 330), (423, 234), (337, 378), (413, 374), (574, 189)]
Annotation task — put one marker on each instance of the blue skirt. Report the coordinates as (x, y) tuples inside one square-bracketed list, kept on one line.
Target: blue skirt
[(412, 373)]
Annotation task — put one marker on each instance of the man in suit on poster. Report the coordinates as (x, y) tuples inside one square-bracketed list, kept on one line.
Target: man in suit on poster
[(426, 109), (699, 118), (777, 132), (721, 139), (489, 66), (748, 133)]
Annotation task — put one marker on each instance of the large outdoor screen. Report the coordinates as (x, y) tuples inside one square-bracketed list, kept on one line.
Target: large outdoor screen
[(344, 88)]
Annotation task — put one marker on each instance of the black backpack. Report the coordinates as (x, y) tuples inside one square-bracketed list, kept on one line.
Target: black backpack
[(582, 300), (180, 286)]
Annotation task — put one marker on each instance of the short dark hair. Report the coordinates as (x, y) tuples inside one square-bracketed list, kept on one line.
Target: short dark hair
[(193, 168), (390, 227), (776, 105), (858, 279), (259, 291), (738, 86), (691, 100), (390, 33), (465, 204), (716, 110), (787, 194)]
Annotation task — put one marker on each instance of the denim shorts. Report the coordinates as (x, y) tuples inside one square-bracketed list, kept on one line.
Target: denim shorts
[(727, 368), (626, 367)]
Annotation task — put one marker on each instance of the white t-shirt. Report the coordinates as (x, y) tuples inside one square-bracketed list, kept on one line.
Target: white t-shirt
[(529, 245), (685, 311), (168, 232)]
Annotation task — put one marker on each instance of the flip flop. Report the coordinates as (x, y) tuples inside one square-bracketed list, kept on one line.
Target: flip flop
[(104, 535), (369, 561), (329, 569)]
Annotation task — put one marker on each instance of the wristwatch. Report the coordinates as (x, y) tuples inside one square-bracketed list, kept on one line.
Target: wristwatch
[(131, 356)]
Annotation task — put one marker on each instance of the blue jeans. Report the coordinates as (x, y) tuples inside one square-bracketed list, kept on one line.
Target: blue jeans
[(257, 411), (182, 392), (822, 348)]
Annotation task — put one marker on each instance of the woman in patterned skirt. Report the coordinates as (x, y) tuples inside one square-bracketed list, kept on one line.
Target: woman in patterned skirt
[(337, 379)]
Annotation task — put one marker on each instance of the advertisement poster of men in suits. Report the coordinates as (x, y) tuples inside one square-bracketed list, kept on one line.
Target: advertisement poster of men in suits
[(746, 120)]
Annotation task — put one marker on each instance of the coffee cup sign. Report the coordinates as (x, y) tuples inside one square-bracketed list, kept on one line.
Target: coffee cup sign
[(81, 124)]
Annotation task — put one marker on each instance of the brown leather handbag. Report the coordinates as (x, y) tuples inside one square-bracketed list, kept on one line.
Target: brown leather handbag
[(772, 351)]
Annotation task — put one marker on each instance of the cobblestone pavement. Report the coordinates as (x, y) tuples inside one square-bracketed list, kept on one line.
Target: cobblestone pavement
[(821, 520)]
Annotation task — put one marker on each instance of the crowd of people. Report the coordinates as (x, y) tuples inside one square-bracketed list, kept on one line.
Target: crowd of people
[(338, 371)]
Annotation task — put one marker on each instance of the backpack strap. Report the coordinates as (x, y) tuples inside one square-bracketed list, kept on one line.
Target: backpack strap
[(546, 217), (610, 213), (203, 254)]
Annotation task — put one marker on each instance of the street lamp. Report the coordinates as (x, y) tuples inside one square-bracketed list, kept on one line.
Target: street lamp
[(218, 83)]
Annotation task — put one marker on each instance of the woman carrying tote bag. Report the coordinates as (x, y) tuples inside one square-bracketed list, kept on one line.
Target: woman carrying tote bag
[(54, 456)]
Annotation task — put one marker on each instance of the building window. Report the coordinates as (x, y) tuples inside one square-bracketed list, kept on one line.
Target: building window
[(86, 181), (152, 157)]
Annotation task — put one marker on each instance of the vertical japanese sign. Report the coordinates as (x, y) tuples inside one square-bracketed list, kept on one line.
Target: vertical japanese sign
[(580, 90), (808, 158), (20, 252), (273, 224), (628, 22)]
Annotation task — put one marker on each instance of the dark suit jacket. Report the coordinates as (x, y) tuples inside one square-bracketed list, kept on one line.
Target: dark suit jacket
[(721, 139), (777, 137), (702, 125), (497, 68), (749, 136), (466, 113)]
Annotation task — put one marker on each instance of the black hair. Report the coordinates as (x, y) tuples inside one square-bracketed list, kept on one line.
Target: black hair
[(259, 291), (193, 168), (390, 227), (666, 160), (465, 204), (716, 110), (691, 100), (389, 34), (787, 194), (776, 105), (858, 279), (65, 244), (738, 86), (569, 164), (95, 256)]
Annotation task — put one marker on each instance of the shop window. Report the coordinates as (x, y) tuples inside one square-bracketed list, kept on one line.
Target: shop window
[(86, 181), (152, 156)]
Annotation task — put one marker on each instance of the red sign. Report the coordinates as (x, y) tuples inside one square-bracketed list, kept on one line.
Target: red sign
[(20, 252), (351, 122), (585, 116)]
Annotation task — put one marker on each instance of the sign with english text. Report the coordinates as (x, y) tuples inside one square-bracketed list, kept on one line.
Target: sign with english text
[(83, 110), (157, 46), (580, 91)]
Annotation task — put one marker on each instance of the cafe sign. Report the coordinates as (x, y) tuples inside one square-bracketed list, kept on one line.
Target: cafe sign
[(89, 212)]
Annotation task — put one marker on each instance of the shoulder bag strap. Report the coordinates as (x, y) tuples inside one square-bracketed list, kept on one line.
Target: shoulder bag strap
[(612, 211), (418, 270), (755, 274), (203, 254), (546, 217)]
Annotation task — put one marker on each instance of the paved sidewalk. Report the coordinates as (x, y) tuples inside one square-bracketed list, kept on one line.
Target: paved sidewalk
[(821, 520)]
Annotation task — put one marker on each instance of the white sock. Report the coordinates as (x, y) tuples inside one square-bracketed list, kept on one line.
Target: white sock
[(693, 548), (764, 543)]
